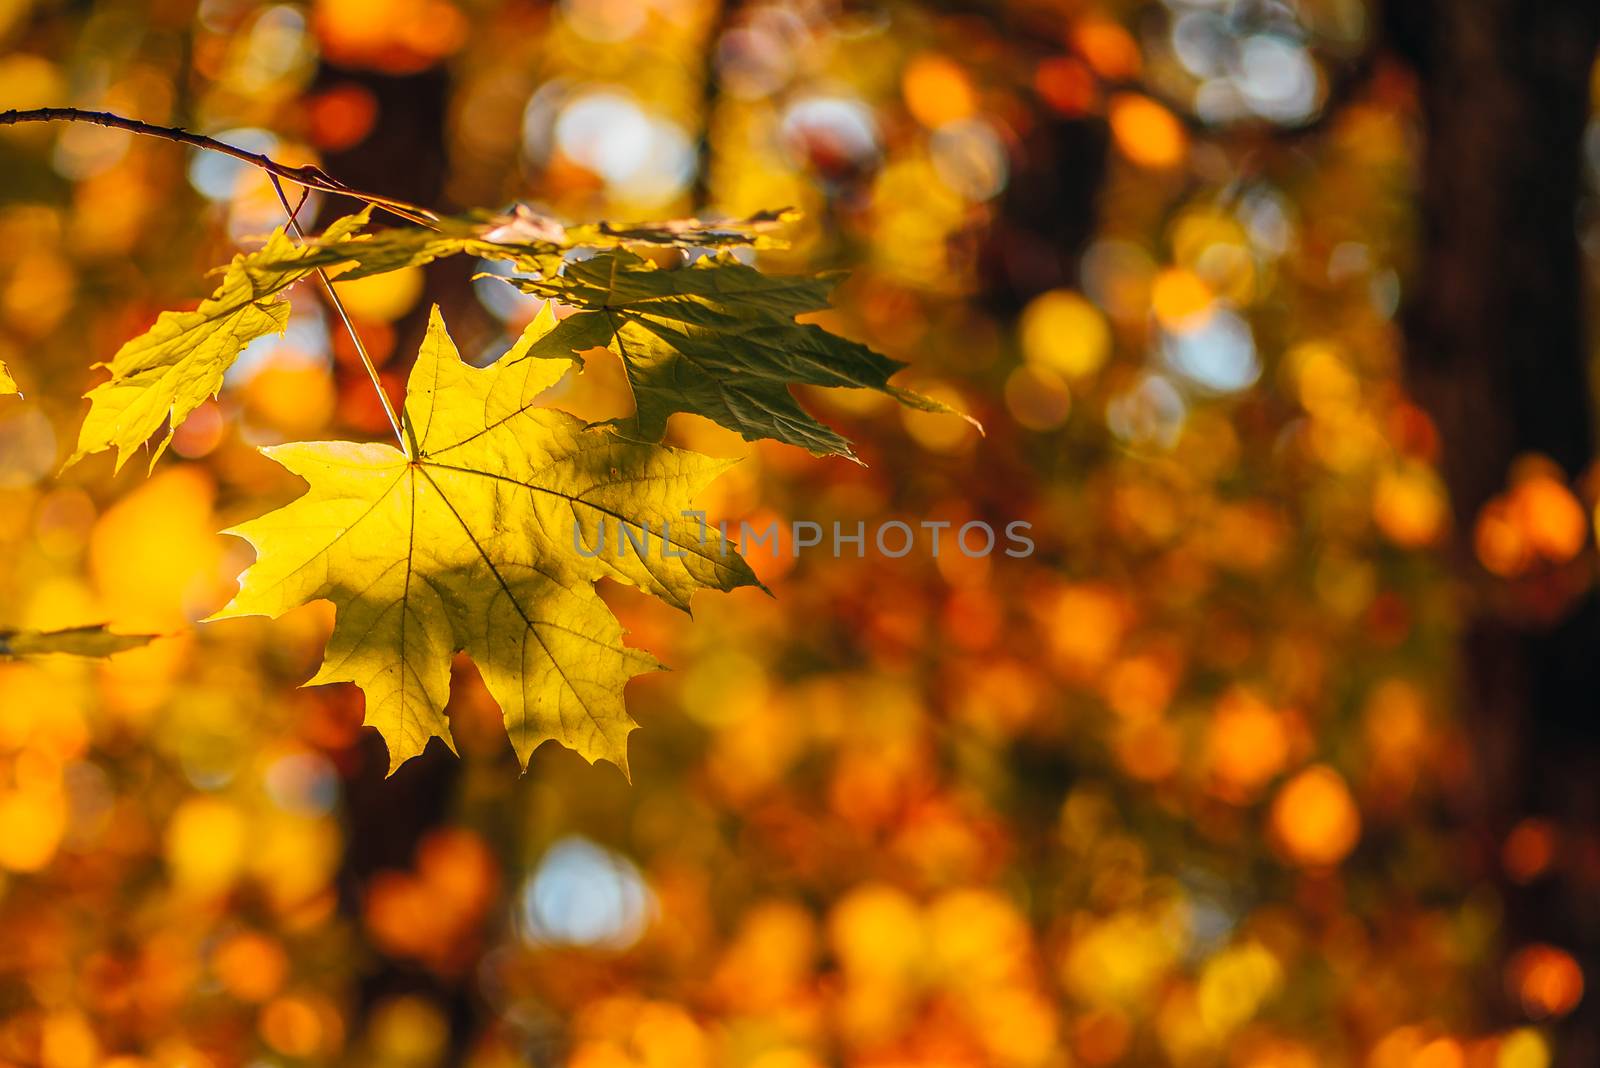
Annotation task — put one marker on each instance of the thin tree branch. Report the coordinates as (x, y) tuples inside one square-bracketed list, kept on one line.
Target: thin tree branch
[(350, 327), (309, 176)]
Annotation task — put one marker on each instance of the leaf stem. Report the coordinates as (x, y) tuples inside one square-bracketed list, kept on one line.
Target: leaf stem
[(309, 176), (350, 327)]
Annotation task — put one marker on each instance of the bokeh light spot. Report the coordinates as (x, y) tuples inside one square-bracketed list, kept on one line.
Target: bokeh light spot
[(582, 894), (1062, 332)]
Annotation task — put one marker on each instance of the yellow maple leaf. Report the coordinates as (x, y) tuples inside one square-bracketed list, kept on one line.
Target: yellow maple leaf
[(8, 385), (174, 367), (486, 534)]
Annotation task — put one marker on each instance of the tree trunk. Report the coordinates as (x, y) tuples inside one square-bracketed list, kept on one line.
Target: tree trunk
[(386, 818), (1496, 351)]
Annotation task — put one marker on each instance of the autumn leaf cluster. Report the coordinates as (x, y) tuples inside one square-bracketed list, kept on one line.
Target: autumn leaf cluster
[(484, 530)]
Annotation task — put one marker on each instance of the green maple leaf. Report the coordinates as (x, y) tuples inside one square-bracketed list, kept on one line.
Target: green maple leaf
[(467, 540), (717, 339), (87, 641), (8, 385), (174, 367)]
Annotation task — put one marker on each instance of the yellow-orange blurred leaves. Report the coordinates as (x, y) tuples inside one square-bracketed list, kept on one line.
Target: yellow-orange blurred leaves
[(382, 297), (42, 709), (941, 841), (1264, 1050), (378, 338), (1148, 511), (1538, 518), (1147, 133), (1529, 850), (978, 939), (1409, 506), (1183, 1034), (1209, 448), (292, 858), (968, 956), (1139, 687), (1214, 247), (408, 1030), (1395, 726), (251, 966), (869, 786), (1101, 1036), (1017, 1026), (753, 751), (395, 36), (1066, 84), (770, 960), (40, 290), (33, 817), (112, 207), (67, 1040), (201, 433), (155, 553), (1523, 1048), (1314, 820), (431, 914), (1418, 1048), (1062, 332), (28, 81), (1118, 960), (301, 1026), (292, 395), (1037, 398), (1320, 378), (1083, 626), (877, 934), (1345, 583), (1180, 299), (915, 213), (1545, 980), (1247, 743), (785, 1058), (1149, 751), (167, 971), (1246, 536), (937, 90), (1442, 1052), (341, 116), (1234, 984), (156, 564), (205, 845), (1000, 696), (1108, 48), (626, 1032), (1347, 441)]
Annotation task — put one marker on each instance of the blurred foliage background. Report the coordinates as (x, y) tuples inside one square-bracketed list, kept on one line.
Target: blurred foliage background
[(1193, 785)]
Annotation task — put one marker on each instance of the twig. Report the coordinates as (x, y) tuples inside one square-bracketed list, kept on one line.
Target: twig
[(350, 327), (309, 176)]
